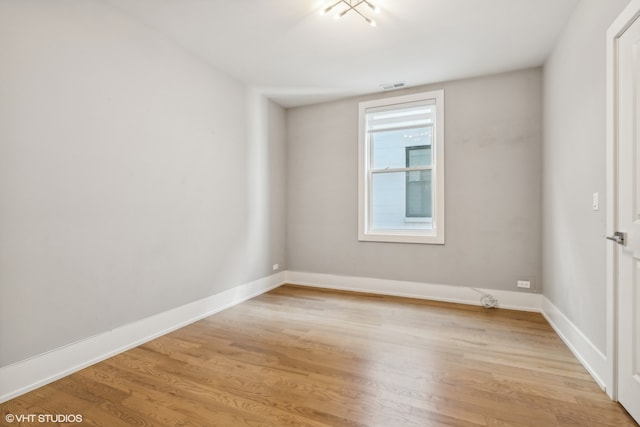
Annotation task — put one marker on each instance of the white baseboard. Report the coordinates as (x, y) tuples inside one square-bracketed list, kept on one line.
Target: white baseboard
[(584, 350), (447, 293), (27, 375)]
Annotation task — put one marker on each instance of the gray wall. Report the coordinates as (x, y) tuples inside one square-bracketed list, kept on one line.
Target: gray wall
[(124, 181), (493, 147), (134, 178), (574, 273)]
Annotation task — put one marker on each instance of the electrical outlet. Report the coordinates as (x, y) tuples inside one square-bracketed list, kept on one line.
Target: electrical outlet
[(275, 267), (524, 284)]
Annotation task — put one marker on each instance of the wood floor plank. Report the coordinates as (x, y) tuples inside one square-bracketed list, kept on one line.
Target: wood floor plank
[(309, 357)]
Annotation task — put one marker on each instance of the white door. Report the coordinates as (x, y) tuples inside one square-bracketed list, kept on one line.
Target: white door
[(628, 218)]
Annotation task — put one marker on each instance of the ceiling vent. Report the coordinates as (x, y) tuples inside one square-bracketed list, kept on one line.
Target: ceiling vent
[(392, 86)]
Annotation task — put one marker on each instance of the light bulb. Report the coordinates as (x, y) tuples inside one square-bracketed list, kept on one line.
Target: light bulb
[(373, 7), (330, 7)]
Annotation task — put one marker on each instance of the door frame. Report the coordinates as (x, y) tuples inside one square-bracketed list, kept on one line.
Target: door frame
[(627, 17)]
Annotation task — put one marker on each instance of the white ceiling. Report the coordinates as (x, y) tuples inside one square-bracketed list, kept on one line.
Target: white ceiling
[(295, 55)]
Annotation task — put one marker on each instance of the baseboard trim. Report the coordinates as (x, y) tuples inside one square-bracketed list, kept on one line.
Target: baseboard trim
[(27, 375), (584, 350), (447, 293)]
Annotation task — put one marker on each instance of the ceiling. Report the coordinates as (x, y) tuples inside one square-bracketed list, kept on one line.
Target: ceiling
[(296, 56)]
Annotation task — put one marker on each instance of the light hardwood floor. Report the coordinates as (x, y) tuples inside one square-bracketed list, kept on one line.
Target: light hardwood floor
[(309, 357)]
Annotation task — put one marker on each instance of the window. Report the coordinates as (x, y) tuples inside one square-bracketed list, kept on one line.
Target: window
[(401, 173)]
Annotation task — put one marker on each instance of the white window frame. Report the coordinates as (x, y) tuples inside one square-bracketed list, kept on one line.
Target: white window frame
[(431, 236)]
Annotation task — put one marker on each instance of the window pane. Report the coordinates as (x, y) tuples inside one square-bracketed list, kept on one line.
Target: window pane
[(418, 194), (390, 195), (418, 155), (390, 147)]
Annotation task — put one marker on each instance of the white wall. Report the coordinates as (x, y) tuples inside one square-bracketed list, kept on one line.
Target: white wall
[(574, 168), (124, 181), (493, 134)]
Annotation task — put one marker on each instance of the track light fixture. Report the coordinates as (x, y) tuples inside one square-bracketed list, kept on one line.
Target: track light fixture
[(353, 5)]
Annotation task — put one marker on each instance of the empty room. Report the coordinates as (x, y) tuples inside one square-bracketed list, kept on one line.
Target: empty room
[(319, 213)]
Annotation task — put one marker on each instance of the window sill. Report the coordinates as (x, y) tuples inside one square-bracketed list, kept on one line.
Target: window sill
[(403, 237)]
